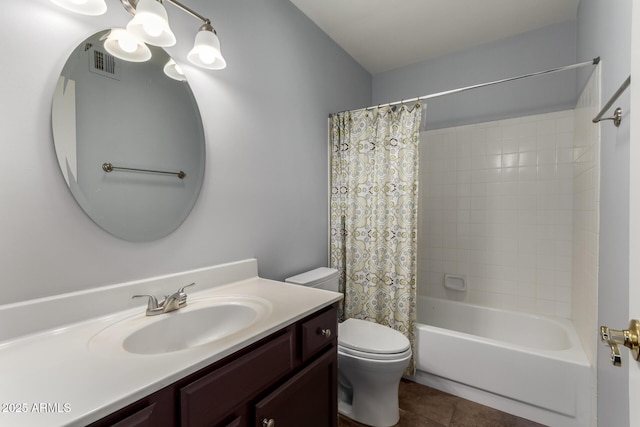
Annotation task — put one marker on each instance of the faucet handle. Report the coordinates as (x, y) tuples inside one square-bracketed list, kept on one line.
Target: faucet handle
[(152, 303), (182, 295), (181, 290)]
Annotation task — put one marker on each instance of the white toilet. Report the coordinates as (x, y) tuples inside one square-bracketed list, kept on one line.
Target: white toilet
[(371, 360)]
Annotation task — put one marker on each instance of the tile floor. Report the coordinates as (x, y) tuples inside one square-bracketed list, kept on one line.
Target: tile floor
[(422, 406)]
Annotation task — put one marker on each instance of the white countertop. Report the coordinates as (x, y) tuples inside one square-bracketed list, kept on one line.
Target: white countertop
[(54, 378)]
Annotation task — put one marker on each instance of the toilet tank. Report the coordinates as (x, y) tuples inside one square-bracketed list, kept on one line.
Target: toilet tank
[(321, 278)]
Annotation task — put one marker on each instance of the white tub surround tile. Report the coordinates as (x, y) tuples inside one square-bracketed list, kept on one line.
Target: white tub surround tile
[(496, 202)]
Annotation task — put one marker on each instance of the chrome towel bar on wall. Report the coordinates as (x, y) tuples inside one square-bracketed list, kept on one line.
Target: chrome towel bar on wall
[(108, 167), (617, 114)]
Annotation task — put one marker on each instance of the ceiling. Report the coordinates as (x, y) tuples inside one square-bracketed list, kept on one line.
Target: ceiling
[(386, 34)]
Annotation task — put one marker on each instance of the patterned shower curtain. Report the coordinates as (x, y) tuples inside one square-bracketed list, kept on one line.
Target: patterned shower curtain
[(374, 213)]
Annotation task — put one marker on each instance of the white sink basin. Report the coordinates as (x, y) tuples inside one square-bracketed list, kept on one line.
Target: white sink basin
[(199, 323)]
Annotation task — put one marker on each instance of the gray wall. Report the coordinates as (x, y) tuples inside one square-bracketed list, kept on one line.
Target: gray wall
[(537, 50), (606, 31), (265, 118)]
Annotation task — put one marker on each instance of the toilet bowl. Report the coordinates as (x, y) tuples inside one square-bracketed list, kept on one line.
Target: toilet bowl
[(371, 361)]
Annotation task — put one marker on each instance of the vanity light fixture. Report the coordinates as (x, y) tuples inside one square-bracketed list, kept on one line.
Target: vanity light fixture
[(124, 45), (174, 71), (206, 49), (150, 24)]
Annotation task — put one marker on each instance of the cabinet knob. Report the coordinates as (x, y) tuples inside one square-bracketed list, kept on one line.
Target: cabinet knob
[(326, 333), (268, 422)]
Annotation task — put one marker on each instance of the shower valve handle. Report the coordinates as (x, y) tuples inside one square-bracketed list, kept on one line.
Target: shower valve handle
[(627, 337)]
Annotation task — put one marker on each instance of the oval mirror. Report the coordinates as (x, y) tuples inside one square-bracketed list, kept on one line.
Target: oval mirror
[(129, 140)]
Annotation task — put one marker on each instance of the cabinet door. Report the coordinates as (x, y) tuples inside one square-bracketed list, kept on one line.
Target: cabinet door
[(308, 399)]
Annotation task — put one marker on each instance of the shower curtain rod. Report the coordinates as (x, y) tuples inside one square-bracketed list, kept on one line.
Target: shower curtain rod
[(594, 61)]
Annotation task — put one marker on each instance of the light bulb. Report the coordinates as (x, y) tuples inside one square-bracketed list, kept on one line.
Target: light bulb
[(127, 44), (174, 71), (151, 24), (207, 56), (119, 43)]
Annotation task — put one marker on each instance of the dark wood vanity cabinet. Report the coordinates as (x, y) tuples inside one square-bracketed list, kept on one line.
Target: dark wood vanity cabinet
[(288, 379)]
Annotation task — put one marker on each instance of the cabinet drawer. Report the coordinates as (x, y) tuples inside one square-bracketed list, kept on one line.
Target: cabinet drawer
[(318, 332), (208, 399)]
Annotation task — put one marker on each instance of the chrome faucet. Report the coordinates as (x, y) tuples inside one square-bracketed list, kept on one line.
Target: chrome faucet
[(171, 302)]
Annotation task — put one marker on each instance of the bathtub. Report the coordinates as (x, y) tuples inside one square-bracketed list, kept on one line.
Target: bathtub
[(527, 365)]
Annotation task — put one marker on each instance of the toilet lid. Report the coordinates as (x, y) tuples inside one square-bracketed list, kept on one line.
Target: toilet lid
[(370, 337)]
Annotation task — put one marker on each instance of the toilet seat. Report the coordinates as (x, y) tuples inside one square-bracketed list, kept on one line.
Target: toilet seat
[(370, 340), (393, 357)]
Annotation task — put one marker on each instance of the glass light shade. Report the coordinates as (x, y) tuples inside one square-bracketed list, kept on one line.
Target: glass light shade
[(83, 7), (206, 51), (151, 24), (174, 71), (124, 45)]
